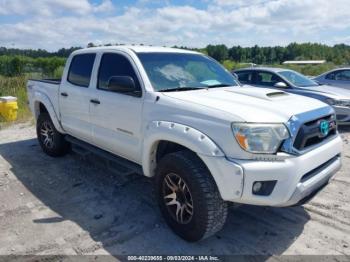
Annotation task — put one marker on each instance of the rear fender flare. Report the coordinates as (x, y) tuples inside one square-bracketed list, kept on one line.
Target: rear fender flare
[(41, 98)]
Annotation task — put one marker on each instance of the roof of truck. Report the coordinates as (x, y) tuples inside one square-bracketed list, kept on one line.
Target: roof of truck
[(136, 49)]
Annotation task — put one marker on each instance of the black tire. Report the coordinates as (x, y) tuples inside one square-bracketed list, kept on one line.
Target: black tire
[(59, 146), (209, 211)]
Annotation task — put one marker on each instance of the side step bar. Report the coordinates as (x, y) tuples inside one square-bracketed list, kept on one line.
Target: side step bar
[(99, 156)]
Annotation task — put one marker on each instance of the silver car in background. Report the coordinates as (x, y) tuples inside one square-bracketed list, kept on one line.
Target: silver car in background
[(338, 77), (293, 82)]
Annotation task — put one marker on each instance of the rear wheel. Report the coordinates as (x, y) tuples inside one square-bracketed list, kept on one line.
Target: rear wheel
[(51, 141), (188, 196)]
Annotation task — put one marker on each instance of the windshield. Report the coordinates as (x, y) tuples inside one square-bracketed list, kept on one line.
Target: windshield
[(180, 71), (298, 79)]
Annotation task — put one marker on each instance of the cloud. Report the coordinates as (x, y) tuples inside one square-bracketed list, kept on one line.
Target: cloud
[(52, 7), (105, 6), (60, 23), (239, 3)]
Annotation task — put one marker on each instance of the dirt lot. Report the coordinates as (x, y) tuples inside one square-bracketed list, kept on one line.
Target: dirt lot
[(67, 206)]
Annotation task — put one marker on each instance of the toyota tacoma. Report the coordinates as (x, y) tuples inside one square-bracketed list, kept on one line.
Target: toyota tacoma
[(180, 117)]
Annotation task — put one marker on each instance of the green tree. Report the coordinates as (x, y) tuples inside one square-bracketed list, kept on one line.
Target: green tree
[(218, 52)]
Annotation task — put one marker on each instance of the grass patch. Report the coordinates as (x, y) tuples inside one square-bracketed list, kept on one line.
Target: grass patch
[(16, 86)]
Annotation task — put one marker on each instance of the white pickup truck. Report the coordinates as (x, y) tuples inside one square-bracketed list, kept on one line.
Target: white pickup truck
[(183, 119)]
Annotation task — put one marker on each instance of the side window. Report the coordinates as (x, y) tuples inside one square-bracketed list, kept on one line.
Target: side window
[(343, 75), (245, 77), (80, 69), (267, 79), (330, 76), (115, 65)]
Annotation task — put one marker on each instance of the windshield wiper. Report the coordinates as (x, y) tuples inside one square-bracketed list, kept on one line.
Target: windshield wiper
[(187, 88), (218, 85), (180, 88)]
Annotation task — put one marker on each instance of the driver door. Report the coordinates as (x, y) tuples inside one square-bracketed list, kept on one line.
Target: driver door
[(116, 117)]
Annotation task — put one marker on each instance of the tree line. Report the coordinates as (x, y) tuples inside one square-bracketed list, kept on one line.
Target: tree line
[(35, 53), (16, 65), (337, 54), (14, 61)]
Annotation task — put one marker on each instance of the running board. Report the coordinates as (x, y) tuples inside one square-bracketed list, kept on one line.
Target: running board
[(99, 156)]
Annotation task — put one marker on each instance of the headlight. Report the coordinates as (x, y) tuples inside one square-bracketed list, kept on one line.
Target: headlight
[(260, 138)]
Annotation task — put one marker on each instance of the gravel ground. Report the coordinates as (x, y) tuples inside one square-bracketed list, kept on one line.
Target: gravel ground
[(67, 206)]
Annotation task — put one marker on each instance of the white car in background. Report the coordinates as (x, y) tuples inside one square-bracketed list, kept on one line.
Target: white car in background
[(338, 77), (293, 82)]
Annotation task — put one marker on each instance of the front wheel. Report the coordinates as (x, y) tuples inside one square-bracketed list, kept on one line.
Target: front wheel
[(188, 196), (51, 141)]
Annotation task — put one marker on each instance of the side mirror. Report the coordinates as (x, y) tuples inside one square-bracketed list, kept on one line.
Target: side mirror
[(121, 84), (280, 85)]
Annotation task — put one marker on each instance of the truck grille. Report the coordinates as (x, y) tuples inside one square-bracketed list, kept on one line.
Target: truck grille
[(311, 133)]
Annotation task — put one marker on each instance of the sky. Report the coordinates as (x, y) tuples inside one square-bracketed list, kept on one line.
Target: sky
[(53, 24)]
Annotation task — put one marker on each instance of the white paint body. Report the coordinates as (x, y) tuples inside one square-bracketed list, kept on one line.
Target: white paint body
[(199, 120)]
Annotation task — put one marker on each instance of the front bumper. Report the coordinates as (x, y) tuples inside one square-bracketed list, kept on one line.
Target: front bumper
[(298, 177), (318, 179)]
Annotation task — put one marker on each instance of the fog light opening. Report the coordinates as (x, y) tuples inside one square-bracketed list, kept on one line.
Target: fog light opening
[(263, 188), (257, 187)]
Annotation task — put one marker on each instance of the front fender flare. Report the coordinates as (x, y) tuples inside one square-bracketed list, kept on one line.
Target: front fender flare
[(228, 175), (181, 134)]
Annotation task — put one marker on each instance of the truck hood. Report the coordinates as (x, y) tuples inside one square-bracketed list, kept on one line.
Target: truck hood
[(329, 91), (250, 104)]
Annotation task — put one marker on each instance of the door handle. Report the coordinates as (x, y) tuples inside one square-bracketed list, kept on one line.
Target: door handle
[(64, 94), (95, 101)]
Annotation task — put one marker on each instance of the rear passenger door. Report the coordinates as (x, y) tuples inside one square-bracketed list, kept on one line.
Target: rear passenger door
[(74, 97), (116, 117)]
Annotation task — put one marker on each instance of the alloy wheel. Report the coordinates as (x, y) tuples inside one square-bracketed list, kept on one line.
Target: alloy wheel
[(178, 198), (47, 134)]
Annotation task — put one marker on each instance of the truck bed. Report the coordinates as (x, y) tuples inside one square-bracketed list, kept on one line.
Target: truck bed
[(47, 87)]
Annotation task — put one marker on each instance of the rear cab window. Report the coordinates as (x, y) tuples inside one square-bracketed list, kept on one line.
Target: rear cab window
[(80, 69)]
